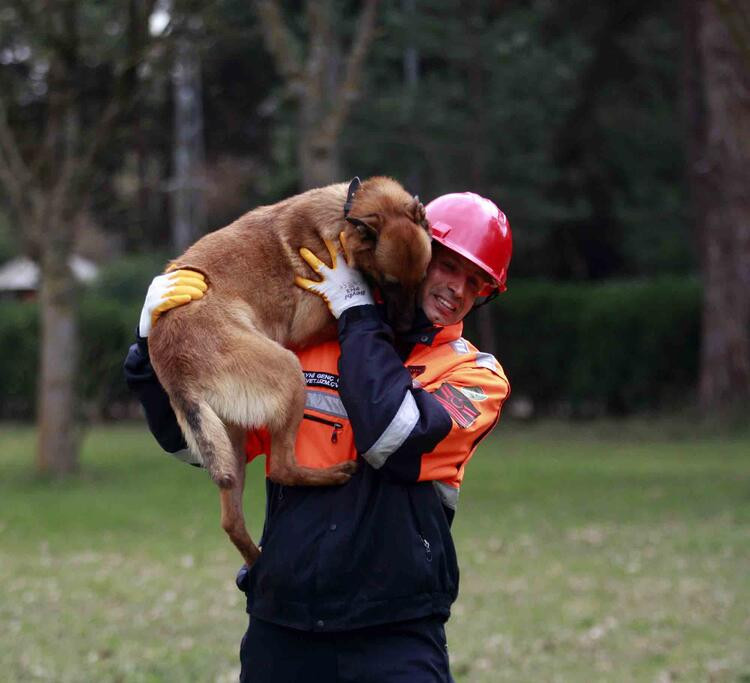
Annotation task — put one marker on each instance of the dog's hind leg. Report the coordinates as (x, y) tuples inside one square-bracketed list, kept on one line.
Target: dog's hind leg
[(232, 515), (267, 388), (283, 467), (207, 435)]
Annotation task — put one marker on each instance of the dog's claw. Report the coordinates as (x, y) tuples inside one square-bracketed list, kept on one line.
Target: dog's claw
[(343, 472), (350, 466)]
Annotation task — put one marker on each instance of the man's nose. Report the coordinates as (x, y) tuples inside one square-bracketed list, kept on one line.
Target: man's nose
[(456, 285)]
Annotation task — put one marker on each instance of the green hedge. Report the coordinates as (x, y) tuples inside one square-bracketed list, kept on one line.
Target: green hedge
[(19, 351), (614, 347), (106, 329)]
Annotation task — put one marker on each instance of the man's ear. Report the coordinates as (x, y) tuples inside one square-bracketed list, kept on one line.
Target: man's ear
[(365, 228)]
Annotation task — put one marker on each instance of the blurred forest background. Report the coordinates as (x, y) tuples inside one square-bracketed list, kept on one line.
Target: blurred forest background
[(615, 136)]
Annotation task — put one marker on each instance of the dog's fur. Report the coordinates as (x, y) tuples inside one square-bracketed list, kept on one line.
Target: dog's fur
[(225, 360)]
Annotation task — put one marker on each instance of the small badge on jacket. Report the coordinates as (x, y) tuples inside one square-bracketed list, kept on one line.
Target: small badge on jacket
[(321, 379)]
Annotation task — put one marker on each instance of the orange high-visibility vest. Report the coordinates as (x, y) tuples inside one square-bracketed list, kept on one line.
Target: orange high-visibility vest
[(470, 385)]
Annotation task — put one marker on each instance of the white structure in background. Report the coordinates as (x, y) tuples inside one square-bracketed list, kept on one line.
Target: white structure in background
[(19, 277)]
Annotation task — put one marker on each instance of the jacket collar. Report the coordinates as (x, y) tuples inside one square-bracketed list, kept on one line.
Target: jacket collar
[(424, 332)]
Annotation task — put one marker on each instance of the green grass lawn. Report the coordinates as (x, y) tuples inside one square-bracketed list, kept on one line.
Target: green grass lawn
[(602, 552)]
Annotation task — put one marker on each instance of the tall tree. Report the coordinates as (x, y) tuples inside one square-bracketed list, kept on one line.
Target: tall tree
[(322, 91), (187, 186), (719, 106), (48, 177)]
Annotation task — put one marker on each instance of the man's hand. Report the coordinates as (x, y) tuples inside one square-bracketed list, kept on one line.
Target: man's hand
[(169, 291), (341, 286)]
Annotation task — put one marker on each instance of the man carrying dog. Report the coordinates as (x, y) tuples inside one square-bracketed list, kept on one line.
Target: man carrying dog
[(355, 582)]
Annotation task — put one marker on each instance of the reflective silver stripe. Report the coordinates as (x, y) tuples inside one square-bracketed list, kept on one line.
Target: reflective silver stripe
[(459, 345), (395, 433), (448, 494), (325, 403), (487, 360)]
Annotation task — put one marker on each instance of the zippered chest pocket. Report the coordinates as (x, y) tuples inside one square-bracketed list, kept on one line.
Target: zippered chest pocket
[(323, 441), (335, 426)]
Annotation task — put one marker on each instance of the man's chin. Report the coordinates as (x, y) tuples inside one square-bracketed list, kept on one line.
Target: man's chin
[(438, 317)]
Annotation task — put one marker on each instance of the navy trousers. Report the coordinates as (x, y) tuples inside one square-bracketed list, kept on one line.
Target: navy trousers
[(403, 652)]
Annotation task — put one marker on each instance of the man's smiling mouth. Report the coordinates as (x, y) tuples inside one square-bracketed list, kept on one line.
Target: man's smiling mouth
[(445, 303)]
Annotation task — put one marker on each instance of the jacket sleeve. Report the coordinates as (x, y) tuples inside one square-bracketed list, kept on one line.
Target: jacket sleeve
[(473, 393), (393, 424), (142, 380)]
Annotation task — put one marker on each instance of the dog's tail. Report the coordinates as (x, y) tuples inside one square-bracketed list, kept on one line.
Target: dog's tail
[(207, 435)]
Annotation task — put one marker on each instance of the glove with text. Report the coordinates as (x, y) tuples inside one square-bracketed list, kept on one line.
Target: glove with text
[(342, 286)]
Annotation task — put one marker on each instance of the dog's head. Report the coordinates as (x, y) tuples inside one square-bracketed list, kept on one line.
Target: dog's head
[(389, 239)]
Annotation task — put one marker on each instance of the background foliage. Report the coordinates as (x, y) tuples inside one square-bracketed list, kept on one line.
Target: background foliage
[(570, 121), (613, 348), (566, 114)]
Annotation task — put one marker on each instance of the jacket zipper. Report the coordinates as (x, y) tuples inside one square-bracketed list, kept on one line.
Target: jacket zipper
[(425, 542), (337, 426)]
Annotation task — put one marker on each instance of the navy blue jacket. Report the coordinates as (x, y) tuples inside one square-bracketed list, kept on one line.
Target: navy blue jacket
[(375, 550)]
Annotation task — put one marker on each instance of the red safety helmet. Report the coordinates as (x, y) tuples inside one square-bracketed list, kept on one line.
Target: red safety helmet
[(475, 228)]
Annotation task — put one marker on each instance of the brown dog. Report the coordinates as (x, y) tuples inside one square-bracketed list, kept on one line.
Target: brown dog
[(224, 360)]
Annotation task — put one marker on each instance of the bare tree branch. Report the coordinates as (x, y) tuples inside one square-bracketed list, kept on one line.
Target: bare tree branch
[(124, 85), (78, 168), (13, 170), (737, 20), (281, 43), (319, 40), (348, 90), (12, 187), (39, 21)]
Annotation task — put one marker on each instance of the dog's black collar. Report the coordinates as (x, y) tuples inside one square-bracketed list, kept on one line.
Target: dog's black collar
[(353, 187)]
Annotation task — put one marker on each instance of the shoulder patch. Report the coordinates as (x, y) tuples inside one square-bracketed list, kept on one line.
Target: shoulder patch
[(460, 345), (462, 411)]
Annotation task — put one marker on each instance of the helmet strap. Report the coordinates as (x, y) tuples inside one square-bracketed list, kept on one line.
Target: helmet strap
[(490, 297)]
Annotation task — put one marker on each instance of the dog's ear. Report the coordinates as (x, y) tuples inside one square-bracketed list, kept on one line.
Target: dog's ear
[(366, 227), (418, 214)]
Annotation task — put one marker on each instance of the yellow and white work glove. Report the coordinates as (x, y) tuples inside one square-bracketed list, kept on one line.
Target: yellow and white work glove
[(342, 286), (169, 291)]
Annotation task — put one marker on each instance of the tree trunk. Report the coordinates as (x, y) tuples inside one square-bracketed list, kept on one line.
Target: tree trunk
[(50, 179), (188, 206), (57, 448), (323, 91), (724, 173), (318, 149), (318, 159)]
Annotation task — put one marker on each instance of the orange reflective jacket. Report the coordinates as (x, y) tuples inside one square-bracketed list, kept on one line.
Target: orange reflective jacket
[(470, 385)]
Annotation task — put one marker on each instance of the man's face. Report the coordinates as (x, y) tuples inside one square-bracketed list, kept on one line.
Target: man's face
[(450, 287)]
